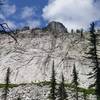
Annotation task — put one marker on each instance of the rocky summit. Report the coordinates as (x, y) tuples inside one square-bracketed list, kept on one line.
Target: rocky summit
[(56, 27)]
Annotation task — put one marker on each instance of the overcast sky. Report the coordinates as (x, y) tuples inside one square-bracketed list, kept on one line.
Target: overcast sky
[(74, 14)]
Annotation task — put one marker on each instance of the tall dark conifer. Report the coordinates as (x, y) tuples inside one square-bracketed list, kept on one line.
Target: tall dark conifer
[(75, 81), (84, 95), (7, 81), (93, 55), (62, 94), (52, 94)]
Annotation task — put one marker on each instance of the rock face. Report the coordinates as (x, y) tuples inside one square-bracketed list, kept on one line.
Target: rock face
[(31, 58), (56, 27)]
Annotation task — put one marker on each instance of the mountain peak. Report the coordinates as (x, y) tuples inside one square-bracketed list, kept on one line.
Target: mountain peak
[(56, 27)]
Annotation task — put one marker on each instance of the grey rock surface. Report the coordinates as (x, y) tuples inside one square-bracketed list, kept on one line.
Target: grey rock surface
[(31, 58)]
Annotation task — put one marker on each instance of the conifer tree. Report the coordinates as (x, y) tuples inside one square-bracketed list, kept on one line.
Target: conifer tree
[(93, 55), (7, 81), (75, 81), (52, 94), (84, 95), (62, 94)]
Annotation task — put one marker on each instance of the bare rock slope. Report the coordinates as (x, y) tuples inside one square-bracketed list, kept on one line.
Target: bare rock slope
[(31, 58)]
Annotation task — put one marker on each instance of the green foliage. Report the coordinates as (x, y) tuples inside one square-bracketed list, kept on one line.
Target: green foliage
[(87, 91), (10, 85)]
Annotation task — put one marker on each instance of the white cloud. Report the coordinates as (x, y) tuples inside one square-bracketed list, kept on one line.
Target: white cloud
[(6, 11), (2, 18), (27, 12), (33, 23), (9, 9), (11, 24), (72, 13)]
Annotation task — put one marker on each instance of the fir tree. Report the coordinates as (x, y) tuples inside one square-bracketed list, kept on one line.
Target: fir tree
[(93, 55), (62, 94), (52, 94), (75, 81), (7, 81), (84, 95)]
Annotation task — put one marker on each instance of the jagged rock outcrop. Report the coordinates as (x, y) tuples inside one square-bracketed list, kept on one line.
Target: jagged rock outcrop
[(56, 28)]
